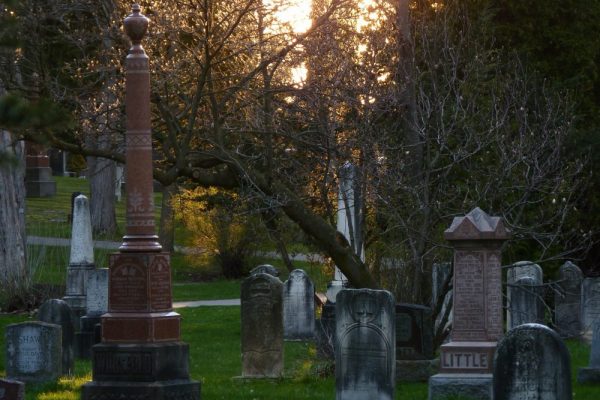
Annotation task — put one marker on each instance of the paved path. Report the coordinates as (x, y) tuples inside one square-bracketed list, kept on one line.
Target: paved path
[(200, 303), (110, 245)]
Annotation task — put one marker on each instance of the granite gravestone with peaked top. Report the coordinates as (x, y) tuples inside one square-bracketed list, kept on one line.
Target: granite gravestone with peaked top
[(591, 374), (364, 350), (262, 326), (141, 355), (524, 294), (567, 301), (533, 363), (590, 304), (466, 361), (81, 261), (298, 306), (265, 269), (56, 311), (11, 389), (96, 305), (33, 351)]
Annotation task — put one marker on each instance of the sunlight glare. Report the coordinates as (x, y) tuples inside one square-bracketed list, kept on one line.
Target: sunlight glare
[(296, 13)]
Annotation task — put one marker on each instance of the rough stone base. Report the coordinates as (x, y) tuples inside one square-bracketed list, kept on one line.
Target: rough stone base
[(589, 376), (416, 370), (468, 386), (162, 390)]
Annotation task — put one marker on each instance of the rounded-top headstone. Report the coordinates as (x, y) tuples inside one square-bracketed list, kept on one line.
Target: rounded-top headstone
[(265, 269), (82, 244), (56, 311), (532, 362)]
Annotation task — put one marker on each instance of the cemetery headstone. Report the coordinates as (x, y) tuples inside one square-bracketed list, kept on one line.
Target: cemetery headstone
[(591, 374), (325, 332), (567, 302), (414, 343), (466, 361), (33, 351), (141, 355), (526, 304), (262, 326), (532, 362), (365, 359), (96, 305), (38, 174), (298, 306), (590, 304), (440, 272), (524, 294), (265, 269), (56, 311), (81, 260), (11, 389)]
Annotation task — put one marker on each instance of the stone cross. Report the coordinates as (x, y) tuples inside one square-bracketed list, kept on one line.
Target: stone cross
[(533, 363), (466, 361), (33, 351), (567, 302), (365, 359), (81, 261), (140, 329), (524, 294), (262, 326)]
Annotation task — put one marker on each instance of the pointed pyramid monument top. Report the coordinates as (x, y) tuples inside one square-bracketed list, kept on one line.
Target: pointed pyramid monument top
[(477, 225)]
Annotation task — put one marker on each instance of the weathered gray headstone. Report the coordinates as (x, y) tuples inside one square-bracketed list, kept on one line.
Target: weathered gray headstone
[(11, 390), (365, 359), (265, 269), (590, 304), (33, 351), (526, 304), (524, 294), (440, 272), (567, 302), (298, 306), (81, 261), (262, 326), (96, 305), (532, 363), (56, 311), (414, 339), (466, 360), (591, 374)]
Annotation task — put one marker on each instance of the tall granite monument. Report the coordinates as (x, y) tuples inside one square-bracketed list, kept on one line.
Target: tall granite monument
[(466, 361), (141, 355)]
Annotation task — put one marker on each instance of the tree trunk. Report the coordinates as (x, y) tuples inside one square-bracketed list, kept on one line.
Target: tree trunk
[(102, 177), (14, 278)]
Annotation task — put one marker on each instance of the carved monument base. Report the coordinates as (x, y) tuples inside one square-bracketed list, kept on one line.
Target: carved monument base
[(141, 371), (467, 357), (467, 386)]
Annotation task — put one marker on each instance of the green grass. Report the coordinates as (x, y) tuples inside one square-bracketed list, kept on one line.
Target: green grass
[(213, 334), (219, 289)]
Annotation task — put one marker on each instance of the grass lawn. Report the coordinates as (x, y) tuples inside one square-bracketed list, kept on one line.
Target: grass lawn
[(213, 334)]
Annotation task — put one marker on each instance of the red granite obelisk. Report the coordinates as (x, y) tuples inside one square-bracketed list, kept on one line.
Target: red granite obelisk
[(141, 355)]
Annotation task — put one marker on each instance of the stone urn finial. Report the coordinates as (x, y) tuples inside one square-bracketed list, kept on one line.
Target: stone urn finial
[(136, 25)]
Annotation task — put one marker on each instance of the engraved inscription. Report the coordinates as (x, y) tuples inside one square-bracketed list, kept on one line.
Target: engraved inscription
[(160, 283), (469, 301), (128, 289), (30, 355), (123, 363), (465, 360)]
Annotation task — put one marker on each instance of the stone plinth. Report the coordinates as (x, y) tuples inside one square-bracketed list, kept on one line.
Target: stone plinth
[(477, 308)]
